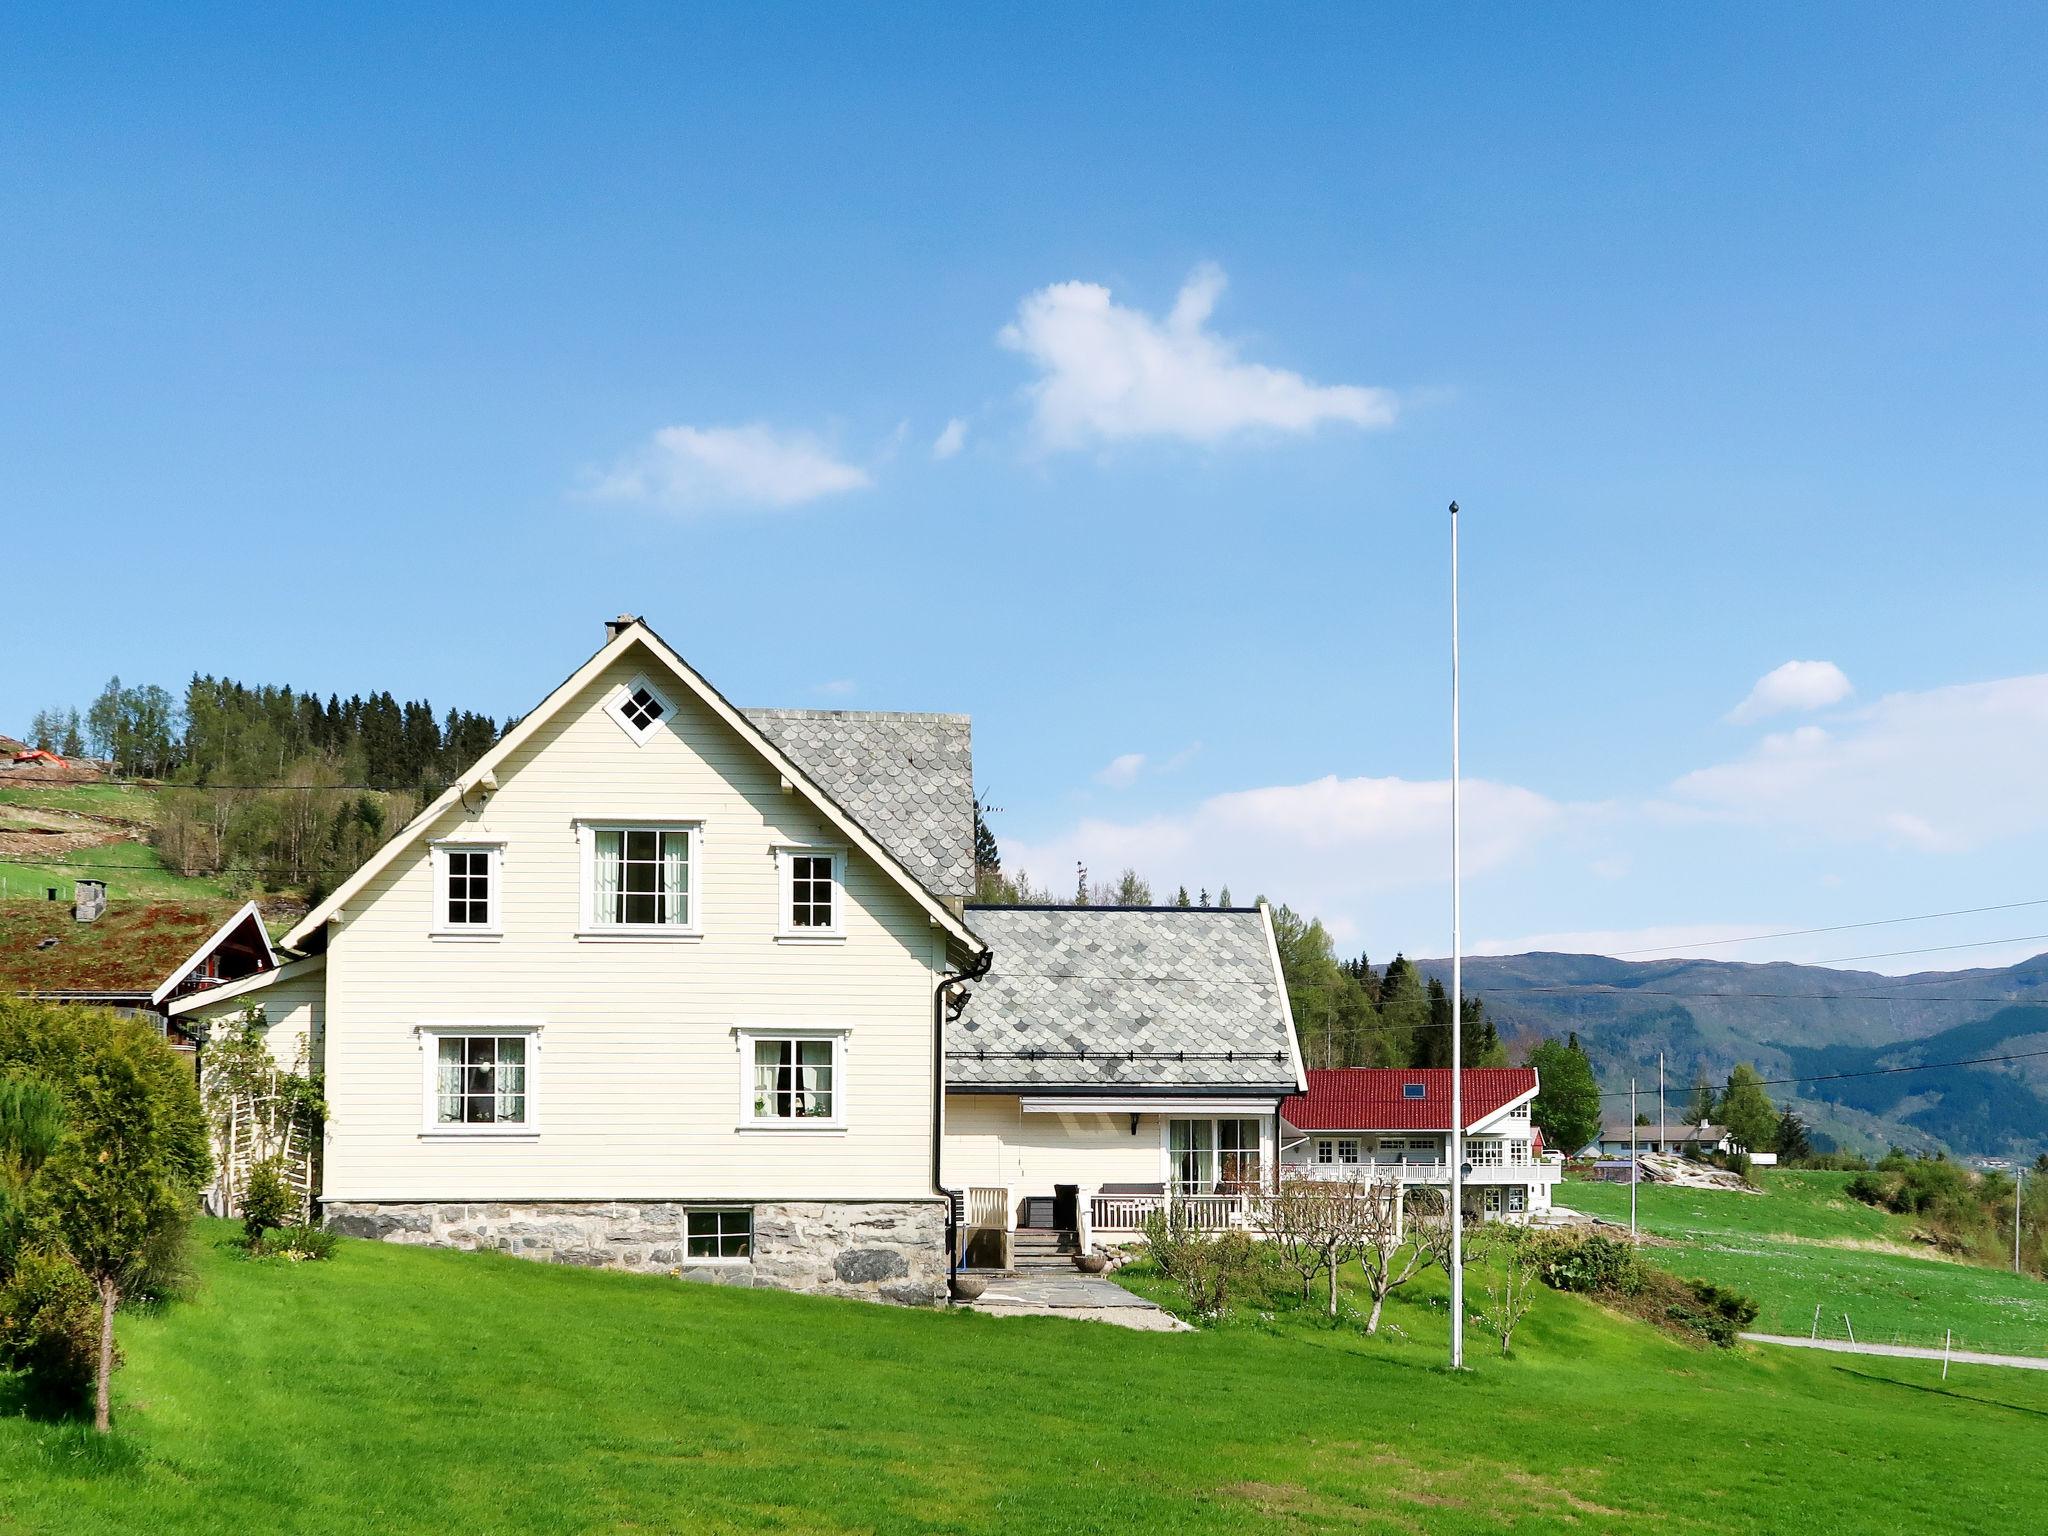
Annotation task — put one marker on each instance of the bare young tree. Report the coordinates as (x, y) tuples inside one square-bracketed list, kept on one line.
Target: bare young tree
[(1392, 1251), (1510, 1282), (1304, 1221)]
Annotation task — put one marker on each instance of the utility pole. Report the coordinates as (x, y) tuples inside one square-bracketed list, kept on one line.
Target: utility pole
[(1663, 1134), (1457, 1001), (2019, 1182), (1635, 1158)]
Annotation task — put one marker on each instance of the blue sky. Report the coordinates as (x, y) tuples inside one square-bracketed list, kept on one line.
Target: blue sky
[(1104, 376)]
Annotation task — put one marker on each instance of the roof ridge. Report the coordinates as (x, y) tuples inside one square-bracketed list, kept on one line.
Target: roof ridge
[(789, 712), (1068, 906)]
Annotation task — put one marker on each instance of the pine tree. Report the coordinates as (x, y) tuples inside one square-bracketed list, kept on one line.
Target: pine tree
[(988, 858), (1080, 885), (1791, 1142), (1223, 897), (1181, 900), (1699, 1106)]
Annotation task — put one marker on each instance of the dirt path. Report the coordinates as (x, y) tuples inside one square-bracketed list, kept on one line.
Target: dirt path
[(1901, 1351)]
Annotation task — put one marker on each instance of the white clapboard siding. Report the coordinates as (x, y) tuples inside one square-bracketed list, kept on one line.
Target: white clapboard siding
[(989, 1141), (636, 1079)]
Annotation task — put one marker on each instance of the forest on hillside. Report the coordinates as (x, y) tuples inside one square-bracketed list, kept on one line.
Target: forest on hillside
[(269, 782)]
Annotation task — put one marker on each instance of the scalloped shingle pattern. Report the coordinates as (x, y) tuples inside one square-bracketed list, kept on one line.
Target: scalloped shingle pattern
[(1156, 998), (908, 779)]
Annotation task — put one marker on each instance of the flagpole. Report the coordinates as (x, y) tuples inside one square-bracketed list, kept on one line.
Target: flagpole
[(1457, 999)]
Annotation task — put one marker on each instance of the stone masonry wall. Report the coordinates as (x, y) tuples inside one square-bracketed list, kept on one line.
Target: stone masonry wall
[(893, 1251)]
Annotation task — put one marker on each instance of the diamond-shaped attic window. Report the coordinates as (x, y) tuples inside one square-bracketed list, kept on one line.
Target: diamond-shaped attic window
[(640, 708)]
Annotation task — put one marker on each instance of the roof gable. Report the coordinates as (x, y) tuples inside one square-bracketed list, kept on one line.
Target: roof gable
[(907, 778), (1100, 999), (244, 934), (672, 666), (1383, 1098)]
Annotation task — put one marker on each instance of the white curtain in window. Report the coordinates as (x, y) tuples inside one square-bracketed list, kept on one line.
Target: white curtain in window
[(606, 877), (511, 1079), (675, 875), (814, 1077), (767, 1070), (448, 1084)]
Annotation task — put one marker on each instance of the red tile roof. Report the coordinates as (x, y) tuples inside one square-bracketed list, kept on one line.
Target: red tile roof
[(1373, 1098)]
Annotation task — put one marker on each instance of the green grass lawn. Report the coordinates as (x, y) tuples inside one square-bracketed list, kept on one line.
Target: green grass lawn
[(133, 872), (399, 1390), (1805, 1243), (122, 800)]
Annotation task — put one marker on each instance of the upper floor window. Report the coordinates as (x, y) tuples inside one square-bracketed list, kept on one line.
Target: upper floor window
[(466, 888), (640, 708), (810, 901), (1337, 1151), (641, 878)]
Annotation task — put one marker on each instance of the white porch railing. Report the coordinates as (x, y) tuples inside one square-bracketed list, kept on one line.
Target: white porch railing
[(1127, 1213), (992, 1208)]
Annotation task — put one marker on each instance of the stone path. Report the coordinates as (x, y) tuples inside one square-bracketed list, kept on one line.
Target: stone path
[(1900, 1351), (1094, 1298)]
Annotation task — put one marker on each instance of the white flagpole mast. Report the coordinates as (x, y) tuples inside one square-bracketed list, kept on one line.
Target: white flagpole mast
[(1457, 999)]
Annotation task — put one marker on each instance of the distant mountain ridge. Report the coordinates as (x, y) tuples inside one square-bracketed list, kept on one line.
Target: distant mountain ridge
[(1800, 1021)]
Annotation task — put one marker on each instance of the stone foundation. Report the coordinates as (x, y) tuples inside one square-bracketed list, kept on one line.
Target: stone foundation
[(876, 1250)]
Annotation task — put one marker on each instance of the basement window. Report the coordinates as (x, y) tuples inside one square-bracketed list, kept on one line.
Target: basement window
[(721, 1234)]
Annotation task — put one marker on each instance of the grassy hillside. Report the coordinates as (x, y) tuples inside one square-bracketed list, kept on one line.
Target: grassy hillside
[(1805, 1243), (54, 834), (399, 1390)]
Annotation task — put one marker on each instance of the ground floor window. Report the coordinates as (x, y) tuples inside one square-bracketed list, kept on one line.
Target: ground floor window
[(480, 1080), (1214, 1156), (721, 1234), (1518, 1199)]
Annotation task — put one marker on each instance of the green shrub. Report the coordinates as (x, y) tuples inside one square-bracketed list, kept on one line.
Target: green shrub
[(1713, 1312), (299, 1242), (1585, 1261), (1205, 1268), (267, 1201), (49, 1326)]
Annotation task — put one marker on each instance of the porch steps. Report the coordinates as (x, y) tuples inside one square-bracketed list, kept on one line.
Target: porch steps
[(1043, 1248)]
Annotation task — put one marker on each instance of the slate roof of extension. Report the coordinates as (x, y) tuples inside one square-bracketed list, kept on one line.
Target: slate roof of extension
[(907, 778), (1192, 992)]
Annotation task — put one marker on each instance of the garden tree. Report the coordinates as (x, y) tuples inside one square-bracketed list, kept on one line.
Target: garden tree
[(1746, 1109), (1791, 1141), (1315, 984), (1509, 1285), (1389, 1250), (1700, 1107), (31, 1121), (1567, 1108), (117, 1191), (1308, 1224)]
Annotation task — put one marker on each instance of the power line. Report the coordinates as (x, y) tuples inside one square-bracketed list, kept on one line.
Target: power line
[(1796, 933), (10, 780)]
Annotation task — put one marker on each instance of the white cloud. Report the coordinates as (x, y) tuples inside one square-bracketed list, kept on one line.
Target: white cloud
[(1108, 372), (1121, 771), (1944, 770), (1794, 687), (951, 440), (1328, 847), (700, 468)]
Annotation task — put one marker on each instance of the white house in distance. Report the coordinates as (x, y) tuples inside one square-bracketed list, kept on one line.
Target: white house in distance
[(665, 984), (1680, 1138), (1393, 1123)]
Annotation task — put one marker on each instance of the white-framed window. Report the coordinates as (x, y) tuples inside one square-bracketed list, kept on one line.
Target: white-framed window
[(641, 709), (480, 1078), (1485, 1152), (468, 887), (793, 1079), (1207, 1157), (1337, 1151), (812, 902), (724, 1233), (1518, 1199), (640, 878)]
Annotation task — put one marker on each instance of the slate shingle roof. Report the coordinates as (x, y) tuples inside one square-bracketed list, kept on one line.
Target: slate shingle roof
[(1191, 991), (908, 779)]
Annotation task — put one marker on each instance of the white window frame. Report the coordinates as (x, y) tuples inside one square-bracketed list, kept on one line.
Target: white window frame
[(786, 855), (589, 927), (616, 708), (1486, 1152), (431, 1034), (1516, 1201), (691, 1259), (751, 1035), (439, 927)]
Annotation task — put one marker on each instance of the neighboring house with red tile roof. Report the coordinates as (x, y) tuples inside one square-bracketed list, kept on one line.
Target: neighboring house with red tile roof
[(1394, 1123)]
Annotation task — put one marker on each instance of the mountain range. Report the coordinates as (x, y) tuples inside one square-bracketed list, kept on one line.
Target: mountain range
[(1806, 1022)]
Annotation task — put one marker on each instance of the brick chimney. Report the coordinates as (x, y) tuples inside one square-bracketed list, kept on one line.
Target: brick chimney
[(613, 627)]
